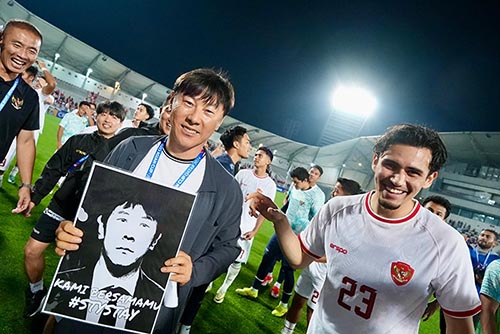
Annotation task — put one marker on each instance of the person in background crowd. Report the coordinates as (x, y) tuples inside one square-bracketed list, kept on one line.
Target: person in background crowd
[(142, 113), (305, 201), (74, 122), (237, 145), (441, 207), (310, 282)]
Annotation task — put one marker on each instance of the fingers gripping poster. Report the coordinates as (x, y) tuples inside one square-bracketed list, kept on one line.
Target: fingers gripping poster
[(130, 227)]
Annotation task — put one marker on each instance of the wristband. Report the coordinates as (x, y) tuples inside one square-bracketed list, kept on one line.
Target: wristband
[(26, 185)]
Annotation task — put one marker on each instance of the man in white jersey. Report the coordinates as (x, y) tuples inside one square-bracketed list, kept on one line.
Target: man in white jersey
[(250, 180), (386, 255), (201, 99), (310, 281)]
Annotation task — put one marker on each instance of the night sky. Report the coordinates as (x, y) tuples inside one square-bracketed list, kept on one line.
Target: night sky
[(432, 64)]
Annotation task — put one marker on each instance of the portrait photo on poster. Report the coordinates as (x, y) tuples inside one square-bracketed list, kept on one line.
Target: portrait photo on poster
[(130, 226)]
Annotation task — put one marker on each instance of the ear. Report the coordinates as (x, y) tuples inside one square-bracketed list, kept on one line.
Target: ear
[(430, 178), (236, 144), (153, 244), (375, 161), (100, 228)]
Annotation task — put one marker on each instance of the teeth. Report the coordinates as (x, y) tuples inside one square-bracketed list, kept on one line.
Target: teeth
[(21, 63), (394, 191), (191, 131)]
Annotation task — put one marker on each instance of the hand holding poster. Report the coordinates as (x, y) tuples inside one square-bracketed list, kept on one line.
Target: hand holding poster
[(130, 227)]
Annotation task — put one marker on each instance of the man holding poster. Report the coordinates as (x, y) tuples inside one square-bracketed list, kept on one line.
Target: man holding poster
[(200, 100), (129, 225)]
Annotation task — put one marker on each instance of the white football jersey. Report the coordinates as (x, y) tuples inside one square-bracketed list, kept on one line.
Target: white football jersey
[(249, 183), (381, 272)]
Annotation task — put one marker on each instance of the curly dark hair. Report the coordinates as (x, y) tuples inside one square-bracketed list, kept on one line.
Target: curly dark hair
[(417, 136)]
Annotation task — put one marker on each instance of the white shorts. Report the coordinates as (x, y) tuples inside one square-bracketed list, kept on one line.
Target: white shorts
[(4, 165), (246, 246), (310, 282)]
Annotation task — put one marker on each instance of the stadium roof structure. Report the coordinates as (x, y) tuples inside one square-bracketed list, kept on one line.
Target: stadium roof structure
[(478, 148), (78, 56)]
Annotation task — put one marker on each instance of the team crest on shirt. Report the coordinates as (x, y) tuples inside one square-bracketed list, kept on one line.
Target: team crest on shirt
[(401, 273), (17, 103)]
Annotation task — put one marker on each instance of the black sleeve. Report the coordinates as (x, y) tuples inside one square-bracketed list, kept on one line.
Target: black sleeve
[(55, 168)]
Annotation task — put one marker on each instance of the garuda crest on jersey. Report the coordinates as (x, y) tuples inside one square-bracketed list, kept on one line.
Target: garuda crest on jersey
[(17, 102), (401, 273)]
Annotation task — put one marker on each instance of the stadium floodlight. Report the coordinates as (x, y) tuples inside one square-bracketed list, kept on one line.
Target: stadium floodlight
[(354, 100), (89, 70), (56, 57), (144, 95)]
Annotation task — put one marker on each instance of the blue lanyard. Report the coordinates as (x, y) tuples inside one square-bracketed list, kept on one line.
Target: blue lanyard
[(485, 262), (9, 93), (78, 163), (184, 175)]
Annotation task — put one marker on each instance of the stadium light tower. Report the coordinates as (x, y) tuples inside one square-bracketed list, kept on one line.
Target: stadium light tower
[(352, 105), (354, 100), (56, 58)]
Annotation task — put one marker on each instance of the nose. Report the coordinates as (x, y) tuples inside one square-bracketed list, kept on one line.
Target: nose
[(398, 178), (23, 53), (128, 238), (195, 114)]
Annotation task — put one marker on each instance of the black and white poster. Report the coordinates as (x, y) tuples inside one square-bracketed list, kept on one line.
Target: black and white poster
[(131, 226)]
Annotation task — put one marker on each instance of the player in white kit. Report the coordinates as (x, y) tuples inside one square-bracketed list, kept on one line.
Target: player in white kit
[(311, 279), (386, 255), (250, 180)]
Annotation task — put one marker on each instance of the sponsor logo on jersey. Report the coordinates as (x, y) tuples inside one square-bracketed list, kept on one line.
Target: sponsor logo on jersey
[(338, 248), (401, 273)]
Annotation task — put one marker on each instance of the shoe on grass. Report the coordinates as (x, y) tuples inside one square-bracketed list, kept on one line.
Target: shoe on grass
[(247, 292), (219, 297), (280, 310), (275, 292), (267, 280), (34, 302)]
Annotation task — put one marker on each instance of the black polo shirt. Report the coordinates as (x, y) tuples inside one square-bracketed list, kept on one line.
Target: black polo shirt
[(20, 112)]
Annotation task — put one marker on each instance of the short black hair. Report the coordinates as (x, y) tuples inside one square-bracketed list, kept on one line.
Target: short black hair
[(149, 110), (349, 186), (114, 108), (84, 103), (491, 231), (32, 71), (440, 200), (300, 173), (416, 136), (231, 135), (214, 87), (267, 151), (21, 24), (318, 167)]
